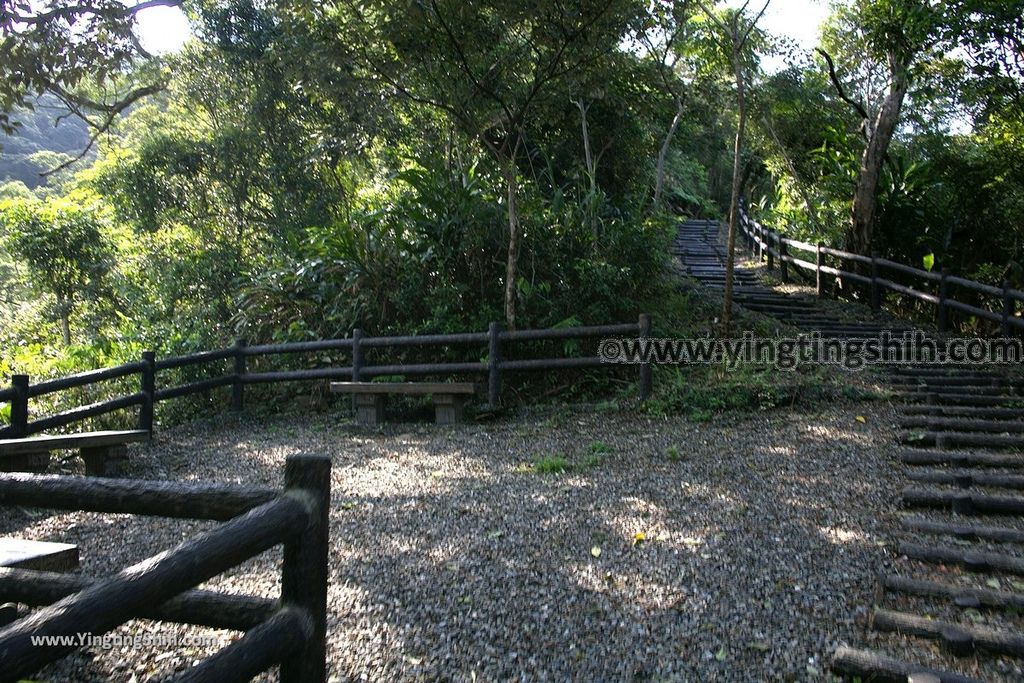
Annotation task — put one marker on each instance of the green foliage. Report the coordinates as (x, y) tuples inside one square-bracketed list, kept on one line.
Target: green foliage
[(552, 464), (65, 249)]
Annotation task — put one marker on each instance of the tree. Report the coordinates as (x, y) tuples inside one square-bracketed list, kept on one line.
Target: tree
[(64, 248), (84, 53), (486, 65), (735, 29), (897, 35), (661, 32)]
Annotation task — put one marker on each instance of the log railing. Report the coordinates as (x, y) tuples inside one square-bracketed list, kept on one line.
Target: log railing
[(290, 632), (495, 347), (877, 278)]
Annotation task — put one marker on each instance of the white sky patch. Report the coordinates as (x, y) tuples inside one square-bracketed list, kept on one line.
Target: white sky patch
[(162, 29), (799, 20)]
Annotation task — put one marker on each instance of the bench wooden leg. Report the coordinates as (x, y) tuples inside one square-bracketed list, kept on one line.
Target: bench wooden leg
[(369, 409), (26, 462), (448, 408), (105, 461)]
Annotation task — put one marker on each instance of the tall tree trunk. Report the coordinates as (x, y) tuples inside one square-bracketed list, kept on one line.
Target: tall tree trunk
[(659, 177), (737, 182), (512, 264), (865, 198)]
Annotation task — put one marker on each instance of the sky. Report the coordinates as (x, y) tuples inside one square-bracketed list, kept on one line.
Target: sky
[(164, 29)]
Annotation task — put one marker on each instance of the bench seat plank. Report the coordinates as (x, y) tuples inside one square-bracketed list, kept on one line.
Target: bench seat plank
[(40, 555), (419, 388), (37, 444)]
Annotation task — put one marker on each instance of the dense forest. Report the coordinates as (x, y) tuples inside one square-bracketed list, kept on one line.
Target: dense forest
[(299, 169)]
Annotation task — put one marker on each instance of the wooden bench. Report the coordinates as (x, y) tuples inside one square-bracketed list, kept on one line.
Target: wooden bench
[(448, 398), (18, 553), (104, 453), (42, 555)]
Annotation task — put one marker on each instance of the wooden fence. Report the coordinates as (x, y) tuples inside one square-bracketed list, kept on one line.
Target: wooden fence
[(495, 341), (768, 245), (291, 632)]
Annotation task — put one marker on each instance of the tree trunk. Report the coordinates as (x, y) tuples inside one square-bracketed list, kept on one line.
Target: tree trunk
[(659, 182), (865, 198), (737, 181), (512, 264)]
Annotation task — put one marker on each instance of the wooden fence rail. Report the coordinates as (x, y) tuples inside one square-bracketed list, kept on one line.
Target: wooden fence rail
[(768, 245), (495, 343), (291, 633)]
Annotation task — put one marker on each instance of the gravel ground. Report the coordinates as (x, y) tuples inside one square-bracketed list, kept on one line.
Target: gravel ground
[(743, 550)]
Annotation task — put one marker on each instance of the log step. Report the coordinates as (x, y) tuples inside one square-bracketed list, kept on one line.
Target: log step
[(963, 399), (968, 478), (959, 640), (962, 439), (965, 411), (971, 561), (946, 371), (939, 424), (869, 666), (963, 503), (966, 532), (959, 595), (917, 456)]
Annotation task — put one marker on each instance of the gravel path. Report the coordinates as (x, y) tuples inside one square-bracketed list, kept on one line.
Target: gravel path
[(670, 551)]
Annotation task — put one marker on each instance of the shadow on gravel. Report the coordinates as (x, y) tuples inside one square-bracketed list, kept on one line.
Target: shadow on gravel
[(669, 550)]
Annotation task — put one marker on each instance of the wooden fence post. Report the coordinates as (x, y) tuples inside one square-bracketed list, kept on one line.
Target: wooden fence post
[(645, 368), (768, 241), (1009, 309), (19, 406), (238, 387), (943, 313), (783, 266), (148, 392), (876, 290), (357, 362), (819, 281), (357, 354), (494, 364), (304, 570)]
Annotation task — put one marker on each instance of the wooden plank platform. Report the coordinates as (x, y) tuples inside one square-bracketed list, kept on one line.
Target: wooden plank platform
[(415, 388), (37, 444), (40, 555)]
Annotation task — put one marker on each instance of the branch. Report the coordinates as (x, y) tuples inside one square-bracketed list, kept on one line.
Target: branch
[(743, 41), (839, 86), (712, 17), (460, 52), (70, 13)]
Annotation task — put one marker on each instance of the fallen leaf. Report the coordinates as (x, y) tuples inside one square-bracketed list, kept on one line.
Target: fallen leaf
[(639, 538), (862, 419), (720, 655), (993, 583), (595, 551)]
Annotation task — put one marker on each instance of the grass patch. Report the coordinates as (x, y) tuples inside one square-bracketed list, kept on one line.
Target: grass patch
[(552, 464)]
